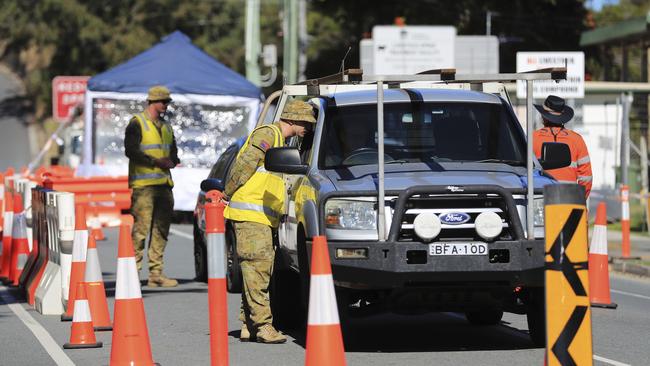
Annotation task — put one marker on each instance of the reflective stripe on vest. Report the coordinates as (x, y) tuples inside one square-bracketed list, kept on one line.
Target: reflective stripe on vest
[(261, 198), (157, 145)]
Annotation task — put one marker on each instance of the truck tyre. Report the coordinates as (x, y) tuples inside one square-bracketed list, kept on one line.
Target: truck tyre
[(200, 255), (536, 316), (484, 317), (233, 271)]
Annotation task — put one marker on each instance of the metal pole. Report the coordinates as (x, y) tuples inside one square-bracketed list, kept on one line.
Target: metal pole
[(253, 41), (290, 63), (488, 23), (530, 226), (381, 214), (302, 39), (625, 137)]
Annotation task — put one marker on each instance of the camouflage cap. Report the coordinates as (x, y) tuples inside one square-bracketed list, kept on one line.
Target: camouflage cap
[(157, 93), (297, 110)]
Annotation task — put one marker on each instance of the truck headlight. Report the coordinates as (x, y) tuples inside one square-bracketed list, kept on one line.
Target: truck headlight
[(350, 214), (538, 212)]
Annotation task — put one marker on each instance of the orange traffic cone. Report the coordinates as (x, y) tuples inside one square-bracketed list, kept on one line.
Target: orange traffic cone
[(599, 295), (78, 267), (95, 289), (2, 209), (324, 338), (20, 245), (130, 334), (6, 236), (96, 229), (81, 334)]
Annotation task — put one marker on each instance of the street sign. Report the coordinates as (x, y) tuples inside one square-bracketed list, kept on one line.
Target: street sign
[(67, 92), (412, 49), (572, 87)]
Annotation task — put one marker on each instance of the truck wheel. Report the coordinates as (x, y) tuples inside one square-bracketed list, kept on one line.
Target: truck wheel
[(484, 317), (286, 305), (536, 316), (233, 271), (200, 255)]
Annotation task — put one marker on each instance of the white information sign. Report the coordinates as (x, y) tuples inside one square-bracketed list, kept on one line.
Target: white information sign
[(412, 49), (573, 87)]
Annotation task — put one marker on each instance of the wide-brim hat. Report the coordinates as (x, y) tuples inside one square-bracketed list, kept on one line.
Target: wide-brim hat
[(158, 93), (555, 110), (297, 110)]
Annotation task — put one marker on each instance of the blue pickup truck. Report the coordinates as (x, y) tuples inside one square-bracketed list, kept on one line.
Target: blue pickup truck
[(454, 183)]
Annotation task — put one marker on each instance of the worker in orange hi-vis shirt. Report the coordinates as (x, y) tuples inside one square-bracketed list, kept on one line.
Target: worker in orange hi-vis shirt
[(556, 113)]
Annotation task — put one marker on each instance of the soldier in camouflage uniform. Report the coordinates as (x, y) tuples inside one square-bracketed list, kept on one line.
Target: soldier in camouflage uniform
[(254, 233), (150, 145)]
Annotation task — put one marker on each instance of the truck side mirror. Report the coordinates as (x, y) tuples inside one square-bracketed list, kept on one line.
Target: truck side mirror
[(555, 155), (284, 160)]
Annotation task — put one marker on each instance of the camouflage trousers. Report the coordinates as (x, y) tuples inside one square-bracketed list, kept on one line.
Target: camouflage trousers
[(152, 208), (256, 253)]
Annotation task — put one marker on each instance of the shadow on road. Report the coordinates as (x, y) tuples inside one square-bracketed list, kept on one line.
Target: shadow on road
[(438, 332)]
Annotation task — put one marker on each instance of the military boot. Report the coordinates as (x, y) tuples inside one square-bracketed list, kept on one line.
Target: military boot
[(160, 280), (267, 334), (245, 335)]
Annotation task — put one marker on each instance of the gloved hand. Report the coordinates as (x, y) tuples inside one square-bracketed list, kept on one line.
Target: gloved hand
[(164, 163)]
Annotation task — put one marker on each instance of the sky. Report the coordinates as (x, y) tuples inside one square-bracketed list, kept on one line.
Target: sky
[(598, 4)]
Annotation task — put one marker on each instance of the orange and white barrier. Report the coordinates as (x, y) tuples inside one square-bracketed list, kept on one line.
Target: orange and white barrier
[(81, 333), (599, 293), (19, 247), (95, 289), (5, 261), (78, 267), (324, 337), (48, 295), (625, 221), (38, 258), (217, 294), (66, 233), (130, 334)]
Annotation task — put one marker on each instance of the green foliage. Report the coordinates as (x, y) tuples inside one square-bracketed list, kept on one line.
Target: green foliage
[(40, 39)]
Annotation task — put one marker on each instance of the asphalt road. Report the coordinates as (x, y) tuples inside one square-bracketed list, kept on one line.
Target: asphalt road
[(178, 327), (14, 142)]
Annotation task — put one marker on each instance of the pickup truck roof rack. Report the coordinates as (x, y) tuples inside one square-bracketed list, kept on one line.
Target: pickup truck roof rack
[(356, 76)]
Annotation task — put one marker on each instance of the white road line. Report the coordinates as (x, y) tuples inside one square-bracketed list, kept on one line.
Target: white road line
[(611, 362), (46, 340), (519, 333), (182, 234), (630, 294)]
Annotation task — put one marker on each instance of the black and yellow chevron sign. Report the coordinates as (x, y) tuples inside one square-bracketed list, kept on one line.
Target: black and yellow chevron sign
[(568, 316)]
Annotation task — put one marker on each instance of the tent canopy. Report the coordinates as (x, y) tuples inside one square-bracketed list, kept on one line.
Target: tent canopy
[(179, 65)]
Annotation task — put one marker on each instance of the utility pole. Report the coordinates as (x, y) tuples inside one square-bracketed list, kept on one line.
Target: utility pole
[(290, 30), (253, 48), (302, 39)]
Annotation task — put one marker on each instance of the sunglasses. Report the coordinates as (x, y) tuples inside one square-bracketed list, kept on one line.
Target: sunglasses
[(165, 102)]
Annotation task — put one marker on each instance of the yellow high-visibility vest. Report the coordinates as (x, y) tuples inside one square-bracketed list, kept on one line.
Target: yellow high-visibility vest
[(157, 145), (261, 198)]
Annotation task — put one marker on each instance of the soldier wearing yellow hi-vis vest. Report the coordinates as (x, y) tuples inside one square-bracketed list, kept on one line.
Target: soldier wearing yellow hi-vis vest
[(256, 204), (151, 148)]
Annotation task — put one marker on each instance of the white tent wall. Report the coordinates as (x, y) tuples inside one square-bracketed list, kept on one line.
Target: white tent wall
[(187, 178)]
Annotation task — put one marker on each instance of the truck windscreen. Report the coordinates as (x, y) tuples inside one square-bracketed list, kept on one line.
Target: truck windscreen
[(422, 132)]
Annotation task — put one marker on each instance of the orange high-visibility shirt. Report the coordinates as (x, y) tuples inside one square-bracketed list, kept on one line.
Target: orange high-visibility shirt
[(579, 171)]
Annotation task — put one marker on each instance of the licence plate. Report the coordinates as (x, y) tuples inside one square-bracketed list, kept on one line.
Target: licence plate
[(475, 248)]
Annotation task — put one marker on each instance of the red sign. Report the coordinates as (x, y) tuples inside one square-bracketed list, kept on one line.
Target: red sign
[(67, 92)]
